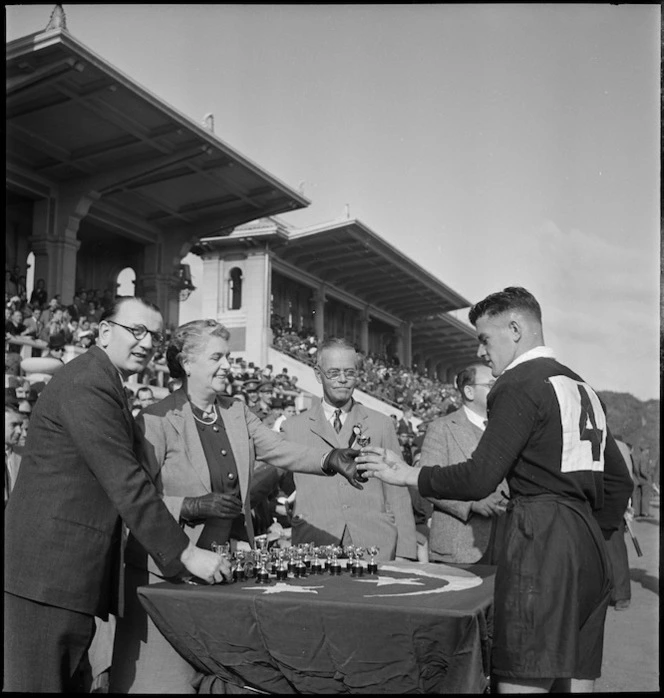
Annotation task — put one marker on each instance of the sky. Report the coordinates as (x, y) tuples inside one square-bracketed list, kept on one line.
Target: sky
[(493, 144)]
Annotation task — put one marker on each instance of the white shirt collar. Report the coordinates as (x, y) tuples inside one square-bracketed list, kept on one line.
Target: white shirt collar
[(474, 418), (540, 352), (329, 410)]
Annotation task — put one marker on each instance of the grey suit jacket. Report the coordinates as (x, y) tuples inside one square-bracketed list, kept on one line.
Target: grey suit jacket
[(379, 514), (456, 534), (173, 455)]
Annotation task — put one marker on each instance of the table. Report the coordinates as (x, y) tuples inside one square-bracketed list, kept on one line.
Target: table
[(413, 628)]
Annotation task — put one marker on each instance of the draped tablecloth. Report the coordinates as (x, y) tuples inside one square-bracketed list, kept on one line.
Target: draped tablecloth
[(413, 628)]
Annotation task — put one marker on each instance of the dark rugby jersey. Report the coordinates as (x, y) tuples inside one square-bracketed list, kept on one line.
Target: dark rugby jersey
[(546, 433)]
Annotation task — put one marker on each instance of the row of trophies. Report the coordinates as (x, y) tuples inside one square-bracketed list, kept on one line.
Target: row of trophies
[(263, 563)]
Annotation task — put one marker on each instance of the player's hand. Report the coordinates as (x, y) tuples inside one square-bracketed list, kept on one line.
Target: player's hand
[(387, 466), (493, 505), (205, 564)]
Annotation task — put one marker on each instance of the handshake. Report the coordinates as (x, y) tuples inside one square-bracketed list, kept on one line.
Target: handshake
[(342, 461)]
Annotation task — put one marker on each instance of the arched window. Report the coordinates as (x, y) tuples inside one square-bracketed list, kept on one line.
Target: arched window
[(235, 289), (126, 283)]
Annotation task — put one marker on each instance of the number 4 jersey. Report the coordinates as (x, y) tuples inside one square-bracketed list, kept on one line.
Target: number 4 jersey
[(546, 433)]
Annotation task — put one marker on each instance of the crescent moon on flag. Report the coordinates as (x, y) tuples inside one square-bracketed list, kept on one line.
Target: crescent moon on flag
[(457, 580)]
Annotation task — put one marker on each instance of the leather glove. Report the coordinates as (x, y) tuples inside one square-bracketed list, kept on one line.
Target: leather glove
[(342, 461), (212, 505)]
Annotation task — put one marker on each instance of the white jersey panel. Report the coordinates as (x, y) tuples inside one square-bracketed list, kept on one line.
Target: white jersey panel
[(584, 425)]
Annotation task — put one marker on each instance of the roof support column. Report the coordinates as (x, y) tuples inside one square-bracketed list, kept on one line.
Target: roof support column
[(319, 319), (407, 330), (54, 239), (365, 319)]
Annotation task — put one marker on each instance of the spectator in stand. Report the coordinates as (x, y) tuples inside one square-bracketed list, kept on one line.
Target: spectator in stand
[(86, 339), (547, 433), (265, 396), (93, 312), (287, 410), (11, 287), (406, 422), (34, 328), (13, 433), (49, 310), (201, 451), (13, 328), (144, 398), (404, 437), (81, 303), (56, 347), (325, 512), (464, 531), (250, 393)]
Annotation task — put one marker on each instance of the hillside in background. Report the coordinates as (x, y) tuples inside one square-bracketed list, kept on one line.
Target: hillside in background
[(636, 421)]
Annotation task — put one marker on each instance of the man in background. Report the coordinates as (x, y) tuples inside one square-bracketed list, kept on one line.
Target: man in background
[(326, 511), (464, 531)]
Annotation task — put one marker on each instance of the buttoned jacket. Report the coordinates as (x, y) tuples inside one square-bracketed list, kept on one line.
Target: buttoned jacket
[(173, 455)]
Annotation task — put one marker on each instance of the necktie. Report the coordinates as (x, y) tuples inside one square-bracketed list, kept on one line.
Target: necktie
[(337, 421)]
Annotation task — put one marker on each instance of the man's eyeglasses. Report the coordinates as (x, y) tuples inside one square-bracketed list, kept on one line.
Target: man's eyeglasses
[(335, 373), (140, 331)]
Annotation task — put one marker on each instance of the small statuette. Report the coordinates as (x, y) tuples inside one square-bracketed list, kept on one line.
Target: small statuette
[(372, 565)]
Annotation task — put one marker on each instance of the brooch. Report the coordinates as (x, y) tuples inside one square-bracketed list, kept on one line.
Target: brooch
[(359, 437)]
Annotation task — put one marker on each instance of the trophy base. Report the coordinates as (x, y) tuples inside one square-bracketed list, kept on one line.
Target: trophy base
[(263, 578), (372, 568), (335, 569), (357, 571)]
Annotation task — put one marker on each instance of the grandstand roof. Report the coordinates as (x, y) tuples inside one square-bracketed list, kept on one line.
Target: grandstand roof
[(348, 255), (72, 118)]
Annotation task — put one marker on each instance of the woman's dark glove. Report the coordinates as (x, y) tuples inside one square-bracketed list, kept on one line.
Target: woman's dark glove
[(212, 505), (342, 461)]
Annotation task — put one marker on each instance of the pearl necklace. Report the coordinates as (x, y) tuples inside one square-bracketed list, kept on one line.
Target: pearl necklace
[(202, 421)]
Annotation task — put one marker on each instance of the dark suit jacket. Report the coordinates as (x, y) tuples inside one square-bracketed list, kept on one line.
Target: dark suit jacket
[(79, 476)]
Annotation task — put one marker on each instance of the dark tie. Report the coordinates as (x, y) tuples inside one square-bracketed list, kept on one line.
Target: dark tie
[(337, 421)]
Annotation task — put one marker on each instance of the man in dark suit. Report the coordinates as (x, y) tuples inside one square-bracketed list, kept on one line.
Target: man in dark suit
[(79, 480)]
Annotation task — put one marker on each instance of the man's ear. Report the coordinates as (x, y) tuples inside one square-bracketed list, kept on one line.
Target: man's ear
[(317, 374), (515, 328), (104, 330)]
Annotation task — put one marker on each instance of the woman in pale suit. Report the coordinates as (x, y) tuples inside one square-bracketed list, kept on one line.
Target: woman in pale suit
[(201, 449)]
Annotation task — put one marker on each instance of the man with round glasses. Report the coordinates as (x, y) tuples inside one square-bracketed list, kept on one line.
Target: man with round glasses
[(328, 512), (79, 481), (463, 532)]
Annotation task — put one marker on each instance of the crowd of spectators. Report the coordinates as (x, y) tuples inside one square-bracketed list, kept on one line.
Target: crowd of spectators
[(381, 376)]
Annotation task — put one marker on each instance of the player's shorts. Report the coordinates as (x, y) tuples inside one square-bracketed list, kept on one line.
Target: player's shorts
[(553, 584)]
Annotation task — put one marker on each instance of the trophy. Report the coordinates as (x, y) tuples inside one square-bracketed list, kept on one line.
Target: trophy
[(238, 567), (357, 569), (349, 551), (262, 575), (300, 566), (335, 565), (224, 552), (358, 439), (372, 565), (316, 563), (282, 567)]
